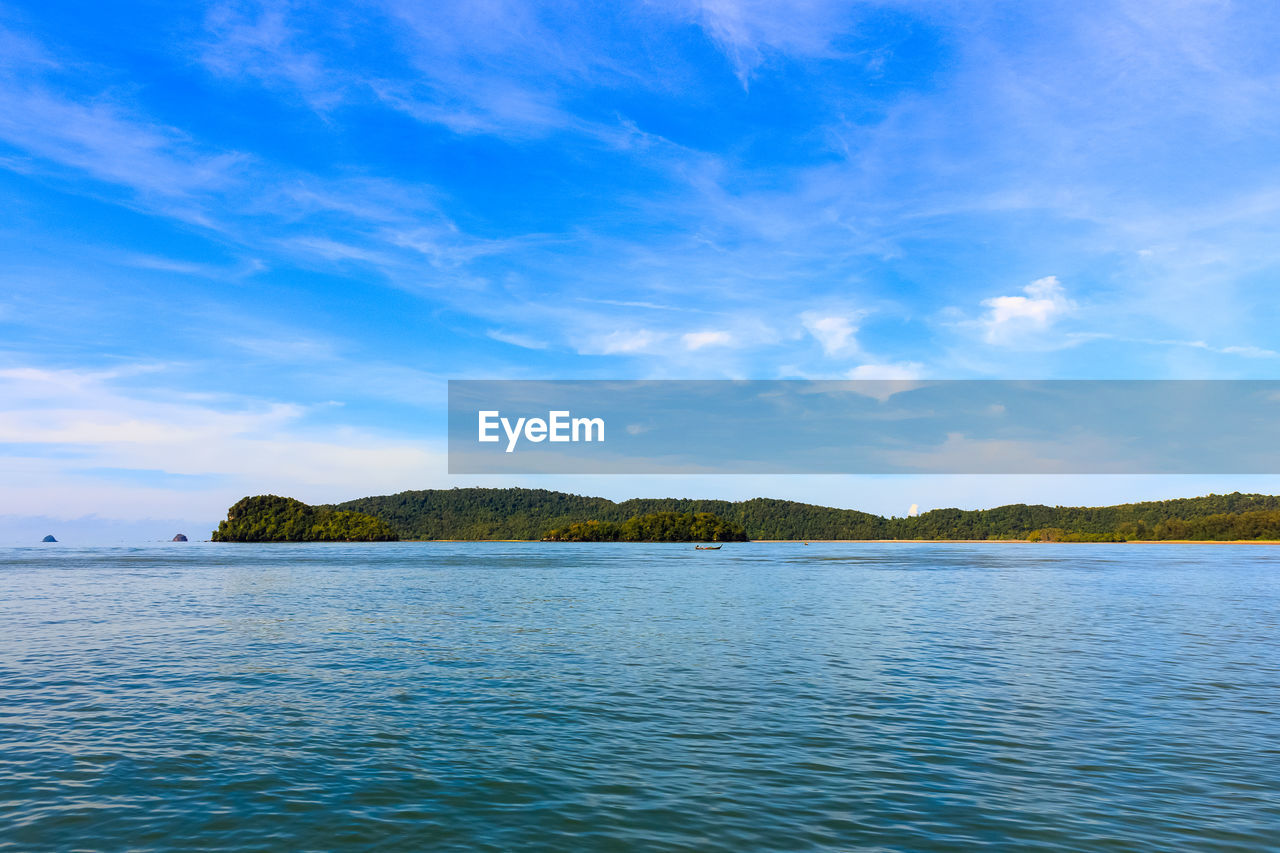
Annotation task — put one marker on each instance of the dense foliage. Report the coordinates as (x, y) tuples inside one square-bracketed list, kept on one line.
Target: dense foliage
[(270, 518), (481, 513), (653, 527), (1260, 524), (476, 513)]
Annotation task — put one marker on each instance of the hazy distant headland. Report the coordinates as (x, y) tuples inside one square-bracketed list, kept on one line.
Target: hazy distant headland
[(537, 514)]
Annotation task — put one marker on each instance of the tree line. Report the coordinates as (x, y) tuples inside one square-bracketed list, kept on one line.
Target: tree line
[(653, 527), (477, 513), (1220, 527)]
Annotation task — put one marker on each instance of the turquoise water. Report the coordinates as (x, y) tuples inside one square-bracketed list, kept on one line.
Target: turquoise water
[(424, 696)]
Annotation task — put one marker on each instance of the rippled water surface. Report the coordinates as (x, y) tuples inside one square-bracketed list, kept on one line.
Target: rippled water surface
[(427, 696)]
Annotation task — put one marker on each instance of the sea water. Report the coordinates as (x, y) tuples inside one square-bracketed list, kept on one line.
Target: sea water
[(496, 696)]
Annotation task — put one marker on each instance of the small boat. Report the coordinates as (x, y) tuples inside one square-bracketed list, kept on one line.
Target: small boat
[(707, 547)]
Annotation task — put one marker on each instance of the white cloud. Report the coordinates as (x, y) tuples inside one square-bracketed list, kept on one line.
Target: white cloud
[(1013, 318), (882, 381), (895, 370), (710, 338), (835, 332), (67, 421)]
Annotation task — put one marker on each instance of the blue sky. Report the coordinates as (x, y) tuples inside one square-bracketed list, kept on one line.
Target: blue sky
[(246, 244)]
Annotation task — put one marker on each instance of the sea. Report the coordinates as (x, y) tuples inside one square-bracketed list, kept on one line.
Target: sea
[(428, 696)]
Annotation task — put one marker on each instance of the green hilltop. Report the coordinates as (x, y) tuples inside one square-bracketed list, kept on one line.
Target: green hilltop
[(270, 518), (478, 513)]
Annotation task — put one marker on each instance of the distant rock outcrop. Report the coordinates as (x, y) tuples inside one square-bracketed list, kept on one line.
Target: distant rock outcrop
[(49, 538), (179, 537)]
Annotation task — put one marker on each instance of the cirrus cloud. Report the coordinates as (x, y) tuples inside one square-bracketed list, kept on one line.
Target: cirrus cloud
[(709, 338)]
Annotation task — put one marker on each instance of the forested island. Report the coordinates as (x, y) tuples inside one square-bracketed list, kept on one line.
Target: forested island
[(535, 514), (270, 518), (478, 513)]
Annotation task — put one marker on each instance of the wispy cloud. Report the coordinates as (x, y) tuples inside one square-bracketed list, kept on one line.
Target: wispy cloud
[(161, 263), (1251, 352), (294, 350), (707, 338), (103, 140), (1244, 351), (547, 177), (748, 31), (623, 342), (259, 43), (517, 340), (75, 424), (621, 303)]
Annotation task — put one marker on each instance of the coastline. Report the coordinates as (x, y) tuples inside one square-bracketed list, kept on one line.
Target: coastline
[(917, 541), (1029, 542)]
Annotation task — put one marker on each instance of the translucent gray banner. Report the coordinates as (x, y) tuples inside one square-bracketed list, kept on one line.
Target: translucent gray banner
[(864, 427)]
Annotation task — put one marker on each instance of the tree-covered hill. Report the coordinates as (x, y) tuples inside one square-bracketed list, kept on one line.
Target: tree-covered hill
[(769, 518), (476, 513), (482, 513), (1123, 521), (653, 527), (270, 518)]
